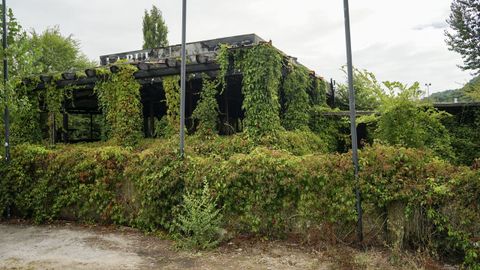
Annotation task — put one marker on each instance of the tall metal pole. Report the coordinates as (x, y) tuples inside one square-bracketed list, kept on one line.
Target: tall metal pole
[(183, 80), (428, 89), (353, 120), (6, 116)]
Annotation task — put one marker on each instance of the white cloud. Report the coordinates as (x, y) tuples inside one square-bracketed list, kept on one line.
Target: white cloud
[(397, 40)]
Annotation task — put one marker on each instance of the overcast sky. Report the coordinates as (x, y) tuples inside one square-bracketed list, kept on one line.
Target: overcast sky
[(396, 40)]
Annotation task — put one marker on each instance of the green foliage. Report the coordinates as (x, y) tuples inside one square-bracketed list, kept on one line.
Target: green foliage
[(450, 96), (317, 92), (171, 86), (22, 57), (59, 53), (261, 69), (413, 125), (25, 117), (54, 98), (22, 60), (333, 130), (447, 194), (206, 112), (27, 55), (296, 100), (154, 29), (158, 186), (119, 98), (223, 60), (465, 37), (368, 91), (465, 138), (404, 120), (261, 190), (472, 89), (296, 142), (197, 224)]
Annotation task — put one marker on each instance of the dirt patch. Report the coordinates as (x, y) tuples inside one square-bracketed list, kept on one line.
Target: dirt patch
[(68, 246)]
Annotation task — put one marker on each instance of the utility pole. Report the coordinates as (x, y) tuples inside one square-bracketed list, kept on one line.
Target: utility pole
[(6, 115), (353, 126), (183, 73)]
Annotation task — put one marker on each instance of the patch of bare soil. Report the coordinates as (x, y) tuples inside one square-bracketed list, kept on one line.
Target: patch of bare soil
[(69, 246)]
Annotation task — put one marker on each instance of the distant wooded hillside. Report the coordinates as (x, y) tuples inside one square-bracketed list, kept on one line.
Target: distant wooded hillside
[(464, 94)]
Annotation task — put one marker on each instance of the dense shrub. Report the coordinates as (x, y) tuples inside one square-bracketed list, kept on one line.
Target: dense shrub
[(262, 191), (412, 125), (464, 129), (334, 130)]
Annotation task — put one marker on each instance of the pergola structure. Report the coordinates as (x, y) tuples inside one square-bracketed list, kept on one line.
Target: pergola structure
[(153, 65)]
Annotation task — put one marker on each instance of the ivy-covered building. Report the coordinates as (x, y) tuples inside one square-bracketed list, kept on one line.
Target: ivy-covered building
[(239, 83)]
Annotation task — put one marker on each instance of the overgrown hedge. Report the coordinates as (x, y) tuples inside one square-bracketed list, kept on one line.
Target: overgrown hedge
[(261, 190)]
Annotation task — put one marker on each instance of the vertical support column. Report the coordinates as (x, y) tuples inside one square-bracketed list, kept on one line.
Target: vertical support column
[(152, 120), (65, 127), (53, 130), (227, 113), (91, 127)]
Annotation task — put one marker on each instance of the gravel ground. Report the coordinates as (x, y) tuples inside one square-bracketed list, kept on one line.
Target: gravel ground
[(69, 246)]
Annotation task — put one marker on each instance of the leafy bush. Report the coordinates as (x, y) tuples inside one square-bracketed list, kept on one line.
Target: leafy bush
[(465, 136), (206, 111), (197, 224), (333, 130), (413, 125)]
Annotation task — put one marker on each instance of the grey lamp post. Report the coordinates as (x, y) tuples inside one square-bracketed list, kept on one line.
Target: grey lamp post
[(6, 115), (353, 127), (428, 89), (183, 73)]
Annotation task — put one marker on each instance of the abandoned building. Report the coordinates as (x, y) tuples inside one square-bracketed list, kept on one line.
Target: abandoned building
[(153, 65), (81, 116)]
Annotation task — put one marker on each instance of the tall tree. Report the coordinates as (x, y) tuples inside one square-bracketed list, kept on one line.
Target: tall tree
[(464, 20), (368, 91), (22, 60), (154, 29), (59, 53), (21, 55)]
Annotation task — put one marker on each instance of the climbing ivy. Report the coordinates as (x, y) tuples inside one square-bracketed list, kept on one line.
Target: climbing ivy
[(317, 92), (119, 98), (295, 113), (261, 68), (223, 60), (206, 111), (25, 117), (171, 87)]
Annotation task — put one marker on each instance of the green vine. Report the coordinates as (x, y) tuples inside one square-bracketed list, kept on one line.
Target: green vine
[(296, 101), (261, 69), (119, 98), (317, 92), (55, 98), (172, 94), (25, 124), (207, 109), (223, 60)]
